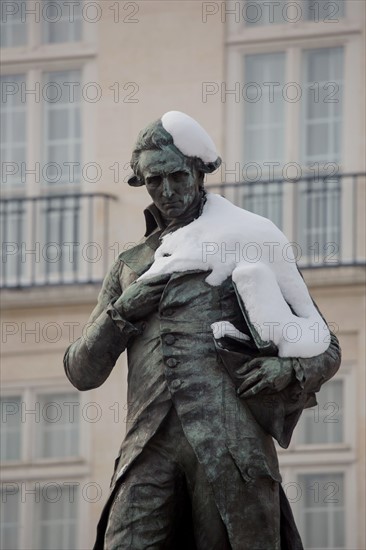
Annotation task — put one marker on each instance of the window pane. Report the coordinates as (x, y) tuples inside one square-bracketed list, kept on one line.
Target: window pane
[(13, 228), (265, 112), (61, 128), (13, 28), (62, 21), (56, 516), (319, 220), (324, 10), (61, 228), (264, 199), (10, 435), (322, 105), (264, 132), (322, 506), (264, 12), (58, 431), (13, 122), (9, 514), (324, 423)]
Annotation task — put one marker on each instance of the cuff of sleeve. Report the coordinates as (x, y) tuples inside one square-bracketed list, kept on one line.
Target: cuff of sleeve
[(121, 323), (299, 372)]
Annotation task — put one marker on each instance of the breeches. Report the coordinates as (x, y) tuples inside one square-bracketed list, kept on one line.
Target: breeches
[(166, 502)]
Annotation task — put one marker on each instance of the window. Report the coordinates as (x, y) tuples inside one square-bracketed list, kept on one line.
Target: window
[(319, 219), (263, 12), (12, 220), (41, 504), (264, 199), (62, 21), (319, 199), (13, 30), (56, 517), (51, 419), (265, 108), (53, 513), (52, 159), (58, 431), (61, 227), (10, 523), (264, 125), (322, 107), (274, 12), (324, 10), (13, 128), (322, 510), (324, 424), (10, 435), (62, 127)]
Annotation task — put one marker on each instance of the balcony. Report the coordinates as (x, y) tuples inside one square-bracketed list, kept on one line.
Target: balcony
[(323, 216), (54, 240), (65, 239)]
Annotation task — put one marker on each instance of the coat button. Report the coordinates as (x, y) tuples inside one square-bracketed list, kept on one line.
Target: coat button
[(169, 312), (169, 339), (171, 362), (176, 384)]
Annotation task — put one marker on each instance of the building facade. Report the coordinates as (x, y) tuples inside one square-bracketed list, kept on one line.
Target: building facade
[(280, 88)]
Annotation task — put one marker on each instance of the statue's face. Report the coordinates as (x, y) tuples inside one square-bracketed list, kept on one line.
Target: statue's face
[(170, 181)]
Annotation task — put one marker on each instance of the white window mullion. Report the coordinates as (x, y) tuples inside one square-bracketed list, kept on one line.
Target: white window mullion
[(291, 146), (32, 183)]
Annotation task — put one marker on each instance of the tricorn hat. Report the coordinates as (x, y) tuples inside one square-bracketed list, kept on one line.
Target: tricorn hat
[(188, 139)]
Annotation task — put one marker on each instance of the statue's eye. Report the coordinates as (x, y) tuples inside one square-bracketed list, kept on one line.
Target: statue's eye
[(179, 176), (153, 181)]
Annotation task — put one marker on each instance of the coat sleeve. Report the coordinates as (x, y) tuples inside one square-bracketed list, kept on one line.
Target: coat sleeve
[(89, 361), (311, 373)]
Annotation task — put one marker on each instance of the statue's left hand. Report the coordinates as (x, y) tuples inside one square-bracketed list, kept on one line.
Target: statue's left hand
[(265, 375)]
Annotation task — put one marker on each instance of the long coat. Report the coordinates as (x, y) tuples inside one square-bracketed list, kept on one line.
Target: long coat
[(173, 358)]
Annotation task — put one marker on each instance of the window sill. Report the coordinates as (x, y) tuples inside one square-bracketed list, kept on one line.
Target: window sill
[(302, 29), (45, 469), (48, 52)]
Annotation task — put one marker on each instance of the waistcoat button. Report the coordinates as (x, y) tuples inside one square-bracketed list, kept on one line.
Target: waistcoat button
[(171, 362), (176, 384), (169, 312), (169, 339)]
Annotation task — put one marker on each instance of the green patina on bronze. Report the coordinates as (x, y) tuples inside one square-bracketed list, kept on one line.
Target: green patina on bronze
[(174, 361)]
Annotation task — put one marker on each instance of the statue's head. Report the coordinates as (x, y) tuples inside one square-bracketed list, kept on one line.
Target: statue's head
[(171, 157)]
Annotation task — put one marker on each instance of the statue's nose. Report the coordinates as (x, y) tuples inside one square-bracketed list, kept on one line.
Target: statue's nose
[(167, 189)]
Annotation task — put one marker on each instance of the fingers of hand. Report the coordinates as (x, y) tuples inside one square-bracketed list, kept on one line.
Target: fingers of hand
[(249, 382), (254, 390), (248, 367)]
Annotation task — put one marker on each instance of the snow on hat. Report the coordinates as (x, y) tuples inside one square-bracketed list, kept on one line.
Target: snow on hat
[(190, 139)]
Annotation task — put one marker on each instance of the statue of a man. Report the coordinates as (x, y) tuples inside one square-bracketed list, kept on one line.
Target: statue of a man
[(198, 467)]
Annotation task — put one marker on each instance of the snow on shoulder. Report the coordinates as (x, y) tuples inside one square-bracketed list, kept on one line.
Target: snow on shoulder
[(230, 241)]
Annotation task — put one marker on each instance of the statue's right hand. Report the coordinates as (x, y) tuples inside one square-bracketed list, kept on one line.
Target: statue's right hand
[(141, 298)]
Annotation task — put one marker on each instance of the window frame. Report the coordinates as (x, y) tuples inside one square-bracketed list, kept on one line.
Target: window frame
[(30, 469), (290, 476), (293, 40), (28, 438)]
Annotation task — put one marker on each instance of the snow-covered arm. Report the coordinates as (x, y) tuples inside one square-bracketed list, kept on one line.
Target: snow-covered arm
[(89, 361)]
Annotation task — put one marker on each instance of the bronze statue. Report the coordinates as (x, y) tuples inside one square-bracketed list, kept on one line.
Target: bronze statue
[(198, 467)]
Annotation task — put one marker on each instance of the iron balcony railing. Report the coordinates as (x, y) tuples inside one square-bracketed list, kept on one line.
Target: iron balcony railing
[(323, 216), (65, 239), (54, 239)]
